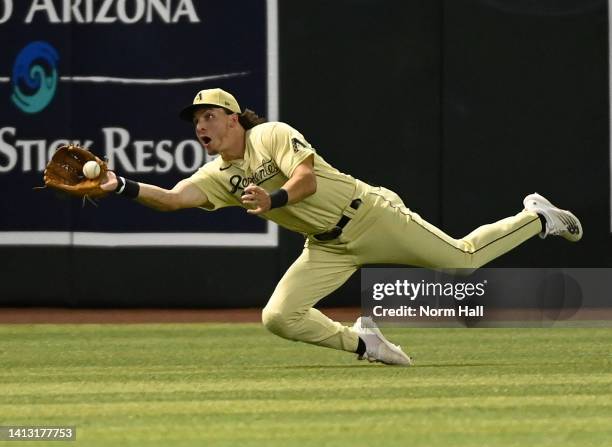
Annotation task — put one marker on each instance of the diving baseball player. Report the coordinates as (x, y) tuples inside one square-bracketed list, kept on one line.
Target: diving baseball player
[(270, 169)]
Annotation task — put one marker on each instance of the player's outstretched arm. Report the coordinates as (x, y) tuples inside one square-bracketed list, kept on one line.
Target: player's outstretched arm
[(183, 195)]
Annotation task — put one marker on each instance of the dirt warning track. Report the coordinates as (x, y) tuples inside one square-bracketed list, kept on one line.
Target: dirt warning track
[(38, 315)]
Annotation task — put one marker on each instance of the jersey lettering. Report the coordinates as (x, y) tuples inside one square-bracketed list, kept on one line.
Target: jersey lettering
[(265, 171)]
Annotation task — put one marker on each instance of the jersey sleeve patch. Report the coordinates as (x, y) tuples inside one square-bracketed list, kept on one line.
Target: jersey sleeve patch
[(288, 148)]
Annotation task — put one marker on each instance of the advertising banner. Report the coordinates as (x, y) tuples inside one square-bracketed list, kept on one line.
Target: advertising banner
[(112, 75)]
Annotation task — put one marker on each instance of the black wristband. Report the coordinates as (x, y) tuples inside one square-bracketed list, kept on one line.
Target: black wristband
[(127, 188), (278, 198), (120, 184)]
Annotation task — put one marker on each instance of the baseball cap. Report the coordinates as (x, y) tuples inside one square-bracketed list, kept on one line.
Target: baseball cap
[(211, 97)]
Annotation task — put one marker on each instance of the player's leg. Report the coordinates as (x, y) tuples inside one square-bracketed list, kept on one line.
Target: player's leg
[(314, 275), (290, 313), (411, 240), (434, 248), (320, 270)]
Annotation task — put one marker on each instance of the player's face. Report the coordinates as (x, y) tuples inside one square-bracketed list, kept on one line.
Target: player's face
[(212, 128)]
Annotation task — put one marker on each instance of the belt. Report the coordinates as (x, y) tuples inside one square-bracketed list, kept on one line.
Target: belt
[(335, 232)]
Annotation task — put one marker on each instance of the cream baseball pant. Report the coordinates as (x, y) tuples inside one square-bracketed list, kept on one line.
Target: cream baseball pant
[(381, 231)]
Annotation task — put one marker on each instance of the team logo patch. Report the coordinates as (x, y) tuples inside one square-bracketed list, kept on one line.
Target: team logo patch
[(297, 144)]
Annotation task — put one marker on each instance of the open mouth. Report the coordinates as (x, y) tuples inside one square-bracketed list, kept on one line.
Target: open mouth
[(206, 140)]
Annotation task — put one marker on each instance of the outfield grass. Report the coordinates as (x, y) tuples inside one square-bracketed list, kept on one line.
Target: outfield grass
[(237, 385)]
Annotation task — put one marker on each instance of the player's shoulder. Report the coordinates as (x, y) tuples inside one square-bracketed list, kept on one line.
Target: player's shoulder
[(271, 133), (210, 168), (270, 128)]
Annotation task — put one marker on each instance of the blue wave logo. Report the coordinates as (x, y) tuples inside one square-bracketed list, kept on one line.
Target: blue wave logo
[(35, 77)]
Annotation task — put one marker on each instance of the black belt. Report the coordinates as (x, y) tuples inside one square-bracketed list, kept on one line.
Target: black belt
[(335, 232)]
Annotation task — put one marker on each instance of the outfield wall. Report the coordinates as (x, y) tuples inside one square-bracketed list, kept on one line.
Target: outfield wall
[(460, 106)]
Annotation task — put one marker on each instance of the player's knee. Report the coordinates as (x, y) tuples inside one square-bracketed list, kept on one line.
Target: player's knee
[(276, 322), (469, 260)]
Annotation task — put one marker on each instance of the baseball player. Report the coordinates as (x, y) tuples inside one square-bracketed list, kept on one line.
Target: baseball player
[(270, 169)]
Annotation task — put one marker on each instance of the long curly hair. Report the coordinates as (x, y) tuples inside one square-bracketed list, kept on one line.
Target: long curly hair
[(248, 119)]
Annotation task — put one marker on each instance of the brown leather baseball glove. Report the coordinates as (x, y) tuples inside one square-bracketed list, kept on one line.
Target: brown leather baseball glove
[(64, 172)]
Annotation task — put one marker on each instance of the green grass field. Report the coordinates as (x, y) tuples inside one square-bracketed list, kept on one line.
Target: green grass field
[(237, 385)]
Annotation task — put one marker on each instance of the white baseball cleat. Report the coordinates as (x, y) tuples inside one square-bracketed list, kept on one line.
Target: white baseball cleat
[(378, 348), (558, 222)]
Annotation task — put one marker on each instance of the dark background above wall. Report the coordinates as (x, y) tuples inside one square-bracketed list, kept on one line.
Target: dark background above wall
[(461, 106)]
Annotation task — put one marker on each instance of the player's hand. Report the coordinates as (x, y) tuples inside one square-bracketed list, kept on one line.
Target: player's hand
[(256, 199), (110, 182)]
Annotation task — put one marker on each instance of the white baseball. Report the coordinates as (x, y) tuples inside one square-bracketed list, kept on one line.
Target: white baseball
[(91, 169)]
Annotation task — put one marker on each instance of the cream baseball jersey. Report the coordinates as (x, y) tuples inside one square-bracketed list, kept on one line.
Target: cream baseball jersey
[(272, 152)]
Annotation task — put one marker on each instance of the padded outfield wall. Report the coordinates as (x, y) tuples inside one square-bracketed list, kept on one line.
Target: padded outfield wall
[(461, 106)]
